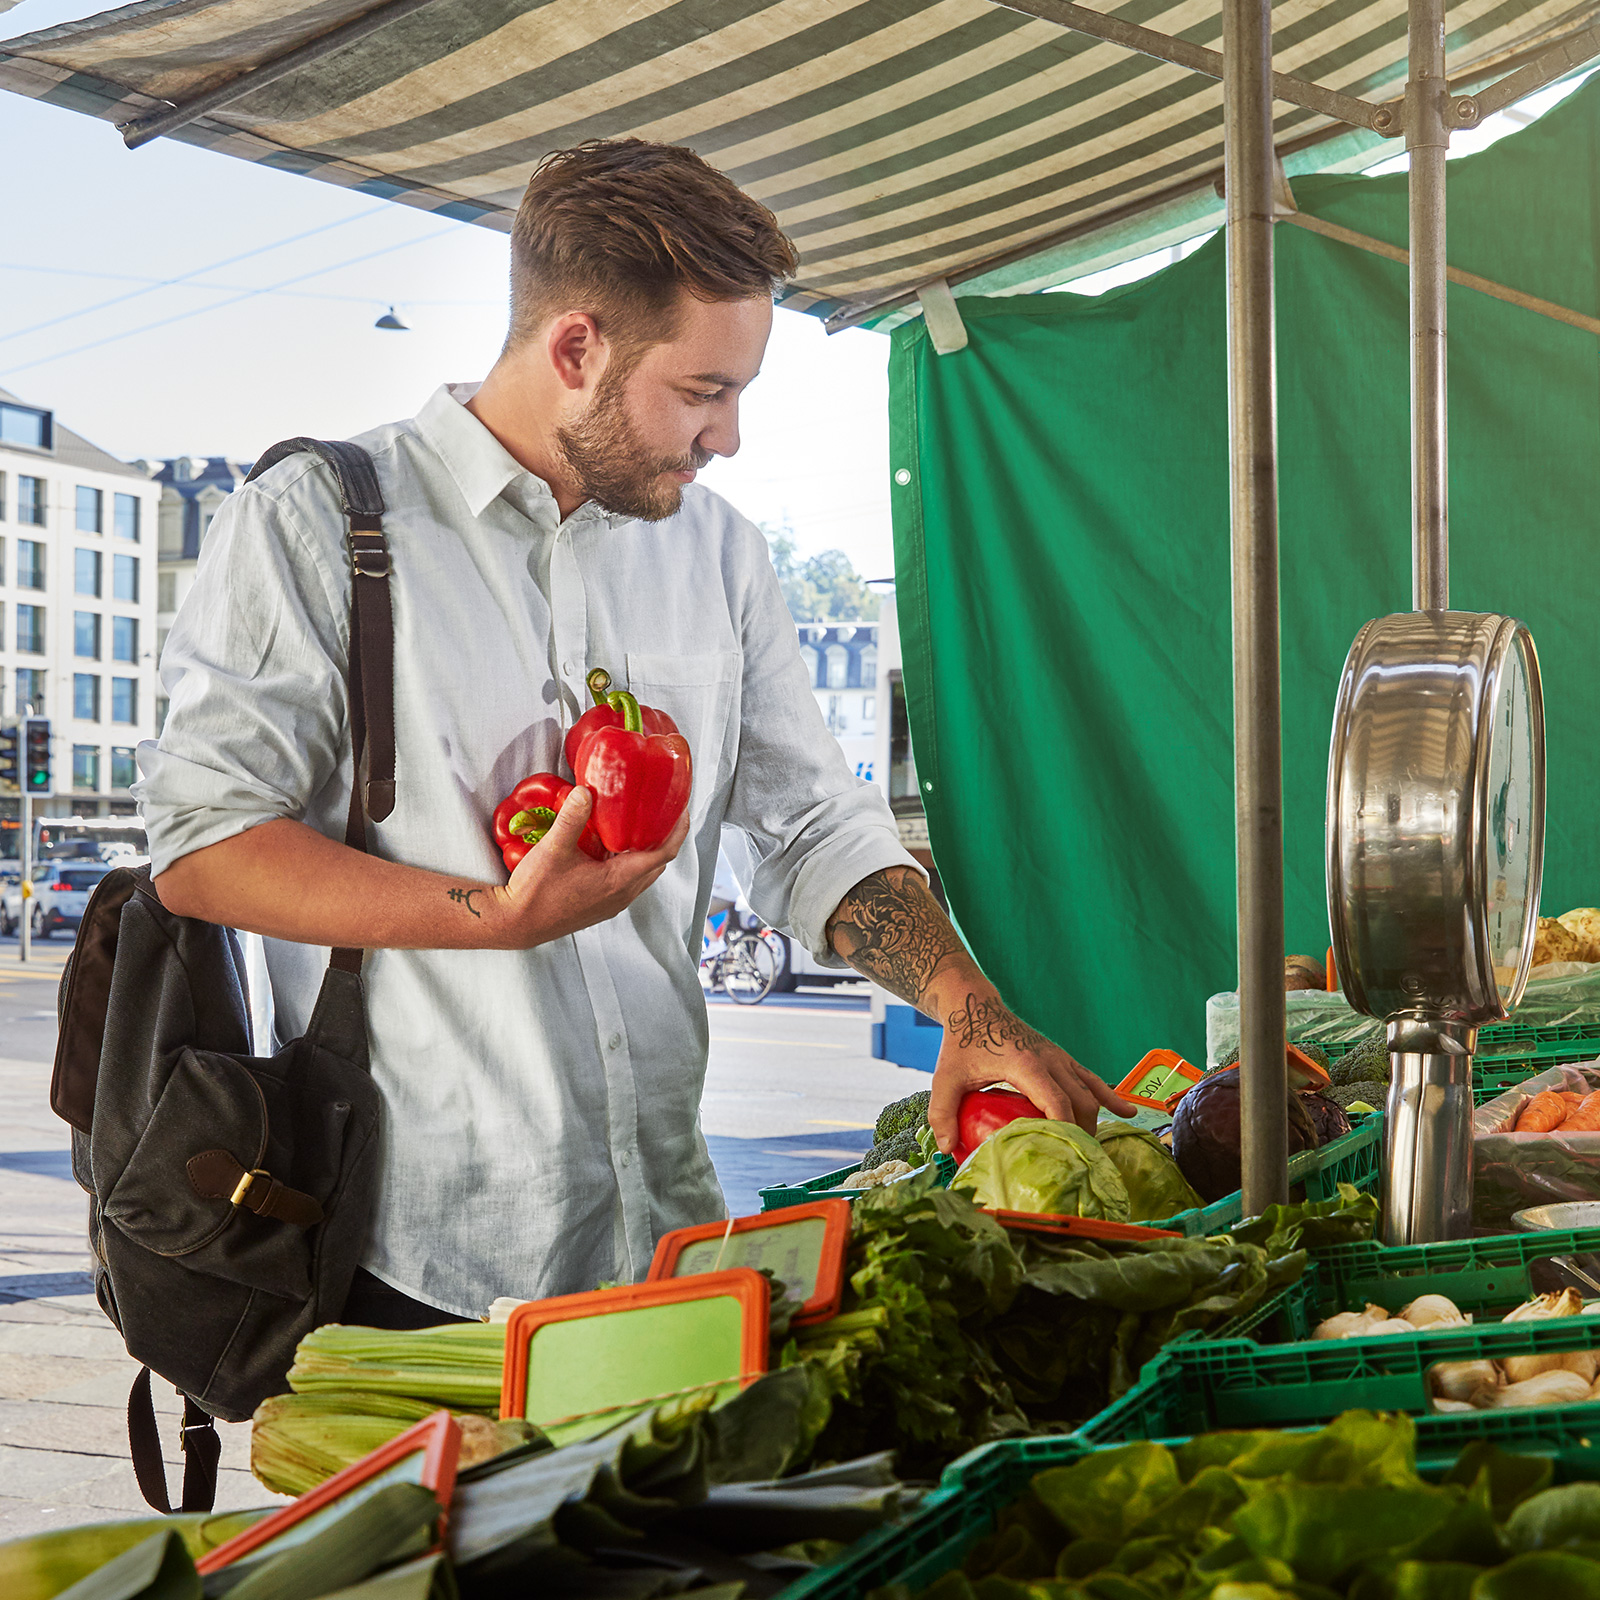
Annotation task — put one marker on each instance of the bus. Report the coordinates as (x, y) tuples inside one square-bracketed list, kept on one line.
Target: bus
[(118, 839)]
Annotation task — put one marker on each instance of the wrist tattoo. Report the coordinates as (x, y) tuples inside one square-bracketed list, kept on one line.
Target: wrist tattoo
[(890, 929), (987, 1025), (463, 897)]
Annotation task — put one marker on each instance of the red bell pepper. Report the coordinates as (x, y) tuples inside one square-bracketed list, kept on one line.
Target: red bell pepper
[(986, 1111), (603, 715), (640, 781), (525, 816)]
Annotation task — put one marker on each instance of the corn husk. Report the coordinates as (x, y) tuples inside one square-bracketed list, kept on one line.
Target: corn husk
[(1560, 1388), (1460, 1380), (1432, 1311), (457, 1365)]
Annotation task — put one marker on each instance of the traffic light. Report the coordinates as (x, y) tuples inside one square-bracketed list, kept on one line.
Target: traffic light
[(38, 756), (11, 758)]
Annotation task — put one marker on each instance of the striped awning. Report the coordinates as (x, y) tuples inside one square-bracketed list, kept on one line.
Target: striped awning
[(898, 141)]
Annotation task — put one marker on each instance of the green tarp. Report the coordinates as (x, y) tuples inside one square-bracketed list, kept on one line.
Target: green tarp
[(1061, 543)]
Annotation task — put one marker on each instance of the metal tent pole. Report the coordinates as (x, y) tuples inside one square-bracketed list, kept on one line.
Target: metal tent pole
[(1428, 139), (1253, 481)]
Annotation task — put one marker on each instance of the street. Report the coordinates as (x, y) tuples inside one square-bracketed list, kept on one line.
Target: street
[(791, 1092)]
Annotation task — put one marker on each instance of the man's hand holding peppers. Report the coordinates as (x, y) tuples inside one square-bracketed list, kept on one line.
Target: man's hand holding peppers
[(890, 928)]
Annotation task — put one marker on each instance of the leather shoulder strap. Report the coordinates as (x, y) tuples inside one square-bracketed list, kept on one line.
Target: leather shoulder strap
[(371, 670)]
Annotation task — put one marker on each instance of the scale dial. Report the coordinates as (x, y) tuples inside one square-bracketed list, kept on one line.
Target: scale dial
[(1436, 816)]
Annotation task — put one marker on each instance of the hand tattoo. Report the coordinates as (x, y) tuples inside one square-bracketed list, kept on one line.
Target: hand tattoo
[(890, 928), (987, 1025), (463, 897)]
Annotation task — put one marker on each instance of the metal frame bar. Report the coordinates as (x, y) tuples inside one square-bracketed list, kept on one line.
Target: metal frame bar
[(1249, 164), (1384, 119), (141, 130)]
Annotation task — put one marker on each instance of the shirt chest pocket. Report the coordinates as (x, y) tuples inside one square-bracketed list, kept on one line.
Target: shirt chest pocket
[(698, 693)]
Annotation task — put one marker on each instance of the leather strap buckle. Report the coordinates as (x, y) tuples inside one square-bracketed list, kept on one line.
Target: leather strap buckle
[(363, 570), (242, 1188)]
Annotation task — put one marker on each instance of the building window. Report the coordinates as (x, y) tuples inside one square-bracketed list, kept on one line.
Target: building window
[(124, 699), (30, 564), (125, 578), (838, 666), (811, 659), (124, 638), (869, 709), (166, 591), (124, 769), (125, 516), (90, 504), (25, 426), (86, 635), (86, 767), (837, 721), (2, 497), (161, 642), (30, 500), (161, 713), (86, 572), (30, 692), (869, 667), (30, 630), (86, 696)]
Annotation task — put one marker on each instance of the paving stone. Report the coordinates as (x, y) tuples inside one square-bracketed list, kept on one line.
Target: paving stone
[(101, 1342), (34, 1377)]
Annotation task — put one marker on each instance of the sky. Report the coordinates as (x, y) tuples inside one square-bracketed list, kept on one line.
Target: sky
[(88, 221), (270, 331)]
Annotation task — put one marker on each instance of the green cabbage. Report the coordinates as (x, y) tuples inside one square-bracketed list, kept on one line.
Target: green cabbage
[(1156, 1188), (1037, 1165)]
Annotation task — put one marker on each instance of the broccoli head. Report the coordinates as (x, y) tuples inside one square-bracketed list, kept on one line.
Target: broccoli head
[(1308, 1047), (903, 1116), (902, 1147), (1367, 1063), (1345, 1095)]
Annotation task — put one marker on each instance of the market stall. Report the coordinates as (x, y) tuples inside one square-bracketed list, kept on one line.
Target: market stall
[(760, 1414)]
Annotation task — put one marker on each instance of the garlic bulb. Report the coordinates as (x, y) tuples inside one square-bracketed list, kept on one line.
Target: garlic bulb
[(1352, 1324), (1388, 1325), (1451, 1405), (1566, 1304), (1431, 1310), (1460, 1380), (1560, 1388)]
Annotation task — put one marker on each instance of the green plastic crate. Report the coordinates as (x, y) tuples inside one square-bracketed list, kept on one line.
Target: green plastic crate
[(975, 1488), (1499, 1040), (1355, 1157), (827, 1187), (1195, 1387), (1477, 1274)]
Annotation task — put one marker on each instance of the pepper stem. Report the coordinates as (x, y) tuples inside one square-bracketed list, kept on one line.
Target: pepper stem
[(624, 702), (532, 824), (599, 681)]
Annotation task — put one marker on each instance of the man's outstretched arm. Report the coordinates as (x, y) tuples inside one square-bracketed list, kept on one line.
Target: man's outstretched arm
[(891, 930)]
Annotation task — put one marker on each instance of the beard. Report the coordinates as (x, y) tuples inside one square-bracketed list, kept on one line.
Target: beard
[(613, 466)]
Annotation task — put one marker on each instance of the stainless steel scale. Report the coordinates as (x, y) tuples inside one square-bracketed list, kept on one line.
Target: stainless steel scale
[(1435, 850)]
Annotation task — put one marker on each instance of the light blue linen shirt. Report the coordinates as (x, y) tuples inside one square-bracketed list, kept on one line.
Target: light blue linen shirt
[(541, 1107)]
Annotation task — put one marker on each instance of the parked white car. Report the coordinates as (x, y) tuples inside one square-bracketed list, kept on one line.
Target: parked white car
[(61, 890), (10, 898)]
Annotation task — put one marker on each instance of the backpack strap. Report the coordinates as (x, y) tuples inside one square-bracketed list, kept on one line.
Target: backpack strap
[(202, 1449), (371, 669)]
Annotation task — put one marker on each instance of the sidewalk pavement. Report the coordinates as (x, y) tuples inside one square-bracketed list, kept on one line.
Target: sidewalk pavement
[(64, 1375)]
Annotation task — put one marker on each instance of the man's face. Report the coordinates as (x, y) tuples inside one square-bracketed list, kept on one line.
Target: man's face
[(655, 421)]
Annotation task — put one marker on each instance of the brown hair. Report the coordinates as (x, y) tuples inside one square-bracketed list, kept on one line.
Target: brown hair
[(616, 227)]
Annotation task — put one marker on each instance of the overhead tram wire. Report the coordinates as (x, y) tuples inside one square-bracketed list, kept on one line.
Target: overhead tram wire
[(184, 277), (199, 311)]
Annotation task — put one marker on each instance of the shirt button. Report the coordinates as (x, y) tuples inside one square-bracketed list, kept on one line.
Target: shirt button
[(627, 1161), (566, 667), (614, 1041)]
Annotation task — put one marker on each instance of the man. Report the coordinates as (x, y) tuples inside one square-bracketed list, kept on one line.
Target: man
[(541, 1043)]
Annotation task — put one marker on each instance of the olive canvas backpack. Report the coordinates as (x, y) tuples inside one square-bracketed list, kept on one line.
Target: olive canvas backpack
[(230, 1194)]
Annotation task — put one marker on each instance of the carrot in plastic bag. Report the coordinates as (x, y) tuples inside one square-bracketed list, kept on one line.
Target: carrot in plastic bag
[(1586, 1119), (1543, 1114)]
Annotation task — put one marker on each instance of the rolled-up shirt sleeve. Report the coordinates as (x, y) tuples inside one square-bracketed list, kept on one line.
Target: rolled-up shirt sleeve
[(253, 670), (816, 830)]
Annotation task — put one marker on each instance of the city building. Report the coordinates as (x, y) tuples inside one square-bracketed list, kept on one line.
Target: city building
[(192, 488), (77, 606), (842, 658)]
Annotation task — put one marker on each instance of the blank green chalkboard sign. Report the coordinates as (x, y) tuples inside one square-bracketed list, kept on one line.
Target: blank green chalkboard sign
[(582, 1363), (802, 1246)]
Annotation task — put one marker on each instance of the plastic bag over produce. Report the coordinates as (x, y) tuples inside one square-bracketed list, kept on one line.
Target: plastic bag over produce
[(1054, 1168), (1156, 1188), (1512, 1170)]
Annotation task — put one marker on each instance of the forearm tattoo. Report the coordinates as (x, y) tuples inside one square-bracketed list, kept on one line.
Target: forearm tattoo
[(987, 1025), (463, 897), (890, 929)]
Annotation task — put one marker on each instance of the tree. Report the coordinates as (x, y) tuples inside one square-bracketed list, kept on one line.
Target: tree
[(823, 587)]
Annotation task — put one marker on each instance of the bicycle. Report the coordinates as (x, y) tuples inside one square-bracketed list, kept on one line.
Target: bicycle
[(742, 963)]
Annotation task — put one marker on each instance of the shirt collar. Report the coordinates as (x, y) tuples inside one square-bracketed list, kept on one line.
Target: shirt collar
[(482, 467)]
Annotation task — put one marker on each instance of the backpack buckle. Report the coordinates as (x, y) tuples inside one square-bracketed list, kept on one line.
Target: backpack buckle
[(242, 1188)]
